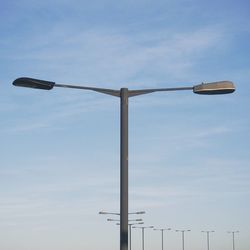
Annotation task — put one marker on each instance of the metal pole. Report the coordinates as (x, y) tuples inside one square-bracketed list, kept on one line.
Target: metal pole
[(124, 171), (130, 226), (233, 235), (182, 240), (162, 238), (207, 240), (143, 238), (233, 242)]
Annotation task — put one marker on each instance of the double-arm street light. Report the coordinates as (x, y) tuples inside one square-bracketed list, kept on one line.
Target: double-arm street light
[(142, 232), (182, 233), (233, 233), (108, 213), (128, 220), (223, 87), (208, 238), (162, 231)]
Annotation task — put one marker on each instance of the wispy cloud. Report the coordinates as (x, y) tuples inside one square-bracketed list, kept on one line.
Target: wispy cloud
[(113, 58)]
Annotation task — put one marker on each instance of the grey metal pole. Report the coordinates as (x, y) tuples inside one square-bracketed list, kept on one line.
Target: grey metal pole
[(143, 238), (124, 170), (182, 233), (162, 239), (207, 240), (142, 229), (233, 235), (130, 226), (233, 242), (182, 240), (162, 235)]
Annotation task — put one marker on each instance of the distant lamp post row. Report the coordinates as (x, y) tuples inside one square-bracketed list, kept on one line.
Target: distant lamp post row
[(208, 237), (167, 229), (183, 234)]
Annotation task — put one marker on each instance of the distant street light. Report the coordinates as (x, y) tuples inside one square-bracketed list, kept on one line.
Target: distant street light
[(124, 94), (129, 224), (128, 220), (142, 230), (208, 232), (162, 230), (182, 233), (130, 232), (233, 233), (110, 213)]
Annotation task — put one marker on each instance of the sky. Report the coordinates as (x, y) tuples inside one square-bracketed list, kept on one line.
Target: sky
[(189, 158)]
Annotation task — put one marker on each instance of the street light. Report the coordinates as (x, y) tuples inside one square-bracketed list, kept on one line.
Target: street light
[(130, 231), (142, 230), (233, 233), (108, 213), (128, 220), (214, 88), (182, 233), (129, 224), (208, 232), (162, 230), (224, 87)]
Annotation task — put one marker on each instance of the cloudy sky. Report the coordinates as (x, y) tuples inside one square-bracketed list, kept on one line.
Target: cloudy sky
[(189, 157)]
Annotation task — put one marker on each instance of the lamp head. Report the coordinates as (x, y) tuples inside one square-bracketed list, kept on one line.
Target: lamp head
[(141, 212), (33, 83), (214, 88), (102, 212)]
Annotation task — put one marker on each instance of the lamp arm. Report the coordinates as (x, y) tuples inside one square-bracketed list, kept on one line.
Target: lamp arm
[(148, 91), (100, 90)]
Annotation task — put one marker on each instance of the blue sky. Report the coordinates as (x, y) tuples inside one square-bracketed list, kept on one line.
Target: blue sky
[(189, 159)]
